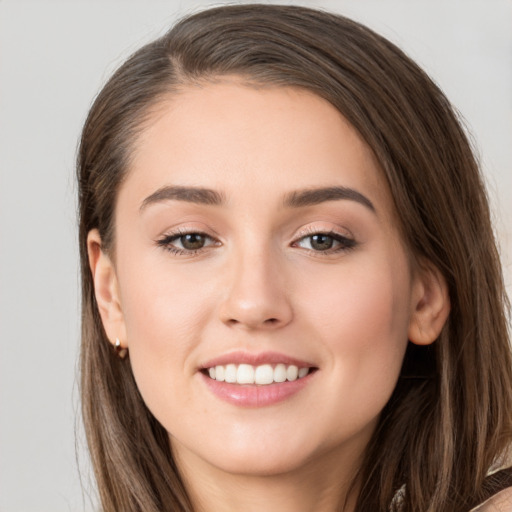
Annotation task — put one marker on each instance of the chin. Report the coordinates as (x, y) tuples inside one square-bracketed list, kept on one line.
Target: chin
[(260, 463), (266, 454)]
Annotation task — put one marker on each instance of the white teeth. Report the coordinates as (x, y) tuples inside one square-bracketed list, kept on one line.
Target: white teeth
[(245, 374), (264, 374), (230, 374), (280, 373), (292, 372), (303, 372), (219, 373), (260, 375)]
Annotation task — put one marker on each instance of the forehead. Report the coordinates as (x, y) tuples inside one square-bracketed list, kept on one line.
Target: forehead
[(230, 136)]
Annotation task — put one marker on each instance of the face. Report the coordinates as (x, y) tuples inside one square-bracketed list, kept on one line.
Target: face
[(264, 291)]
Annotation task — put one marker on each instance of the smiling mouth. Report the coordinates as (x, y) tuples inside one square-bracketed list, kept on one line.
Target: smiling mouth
[(261, 375)]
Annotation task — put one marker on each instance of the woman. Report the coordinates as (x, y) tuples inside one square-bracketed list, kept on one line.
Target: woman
[(291, 292)]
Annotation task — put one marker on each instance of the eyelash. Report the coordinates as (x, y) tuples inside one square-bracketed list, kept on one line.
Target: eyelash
[(345, 243), (167, 240)]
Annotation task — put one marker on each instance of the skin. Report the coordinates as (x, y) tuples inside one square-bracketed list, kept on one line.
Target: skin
[(259, 285)]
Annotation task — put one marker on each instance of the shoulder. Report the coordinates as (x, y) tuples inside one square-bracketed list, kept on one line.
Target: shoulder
[(501, 502)]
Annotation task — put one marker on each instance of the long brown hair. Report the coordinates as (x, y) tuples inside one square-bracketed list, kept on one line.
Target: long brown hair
[(450, 417)]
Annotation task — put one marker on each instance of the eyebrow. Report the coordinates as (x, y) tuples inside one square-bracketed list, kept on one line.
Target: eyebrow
[(314, 196), (295, 199), (197, 195)]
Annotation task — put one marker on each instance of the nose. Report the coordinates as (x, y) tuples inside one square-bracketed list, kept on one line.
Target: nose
[(256, 296)]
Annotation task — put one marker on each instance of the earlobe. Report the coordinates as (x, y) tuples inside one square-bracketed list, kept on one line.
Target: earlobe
[(430, 305), (106, 288)]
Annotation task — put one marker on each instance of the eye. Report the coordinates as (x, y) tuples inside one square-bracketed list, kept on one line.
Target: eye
[(329, 242), (186, 243), (192, 241)]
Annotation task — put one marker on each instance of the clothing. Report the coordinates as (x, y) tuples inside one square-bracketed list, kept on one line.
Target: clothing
[(500, 497), (500, 493), (501, 502)]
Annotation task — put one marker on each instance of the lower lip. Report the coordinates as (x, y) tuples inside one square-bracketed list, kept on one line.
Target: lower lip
[(247, 395)]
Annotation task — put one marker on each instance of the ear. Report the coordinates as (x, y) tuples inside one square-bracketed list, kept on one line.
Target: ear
[(106, 289), (430, 304)]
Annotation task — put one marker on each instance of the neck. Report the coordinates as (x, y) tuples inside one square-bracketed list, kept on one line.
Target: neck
[(319, 486)]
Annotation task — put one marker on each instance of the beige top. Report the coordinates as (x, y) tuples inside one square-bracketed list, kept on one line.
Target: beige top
[(501, 502)]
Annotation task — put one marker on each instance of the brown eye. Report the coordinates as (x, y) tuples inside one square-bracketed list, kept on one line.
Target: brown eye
[(326, 243), (186, 243), (192, 241), (321, 242)]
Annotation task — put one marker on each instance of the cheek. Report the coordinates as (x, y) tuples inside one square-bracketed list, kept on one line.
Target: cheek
[(164, 316), (157, 315), (164, 305), (366, 305), (361, 320)]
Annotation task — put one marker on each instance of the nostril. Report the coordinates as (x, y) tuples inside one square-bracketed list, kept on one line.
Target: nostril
[(269, 322)]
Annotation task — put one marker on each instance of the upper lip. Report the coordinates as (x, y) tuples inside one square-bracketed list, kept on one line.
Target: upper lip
[(241, 357)]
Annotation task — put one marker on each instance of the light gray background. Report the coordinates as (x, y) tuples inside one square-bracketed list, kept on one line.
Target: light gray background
[(54, 56)]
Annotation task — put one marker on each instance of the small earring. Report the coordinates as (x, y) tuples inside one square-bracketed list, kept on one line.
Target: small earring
[(120, 351)]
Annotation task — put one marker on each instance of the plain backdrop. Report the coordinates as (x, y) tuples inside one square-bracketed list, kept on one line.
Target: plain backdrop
[(54, 57)]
